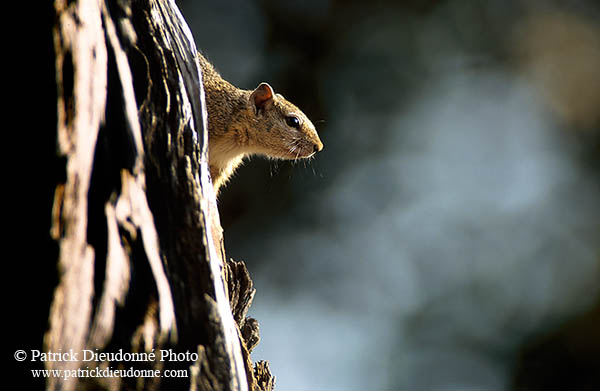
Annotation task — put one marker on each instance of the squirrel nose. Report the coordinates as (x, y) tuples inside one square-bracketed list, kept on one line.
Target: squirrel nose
[(318, 147)]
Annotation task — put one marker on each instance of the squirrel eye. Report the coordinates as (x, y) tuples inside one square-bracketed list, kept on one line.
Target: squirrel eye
[(292, 121)]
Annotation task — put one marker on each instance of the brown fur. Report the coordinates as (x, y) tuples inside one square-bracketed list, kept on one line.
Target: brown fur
[(243, 123)]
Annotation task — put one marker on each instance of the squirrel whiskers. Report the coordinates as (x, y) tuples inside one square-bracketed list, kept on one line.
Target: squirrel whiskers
[(259, 122)]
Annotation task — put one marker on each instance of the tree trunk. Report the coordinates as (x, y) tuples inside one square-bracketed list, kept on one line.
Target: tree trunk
[(139, 252)]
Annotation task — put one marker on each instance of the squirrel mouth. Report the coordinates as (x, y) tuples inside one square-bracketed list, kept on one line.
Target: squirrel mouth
[(303, 149), (303, 152)]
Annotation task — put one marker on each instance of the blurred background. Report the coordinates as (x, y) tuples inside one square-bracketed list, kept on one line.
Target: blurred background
[(448, 236)]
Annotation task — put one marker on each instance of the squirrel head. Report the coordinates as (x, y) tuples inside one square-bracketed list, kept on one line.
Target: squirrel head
[(278, 128)]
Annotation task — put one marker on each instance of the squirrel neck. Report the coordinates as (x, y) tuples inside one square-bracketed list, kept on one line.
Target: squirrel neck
[(224, 101), (226, 105)]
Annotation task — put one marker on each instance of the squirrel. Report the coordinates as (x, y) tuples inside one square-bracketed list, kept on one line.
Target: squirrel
[(243, 123)]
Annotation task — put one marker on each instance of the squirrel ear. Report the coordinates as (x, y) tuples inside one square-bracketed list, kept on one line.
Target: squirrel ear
[(262, 96)]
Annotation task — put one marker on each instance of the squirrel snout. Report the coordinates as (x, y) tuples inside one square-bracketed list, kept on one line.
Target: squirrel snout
[(318, 147)]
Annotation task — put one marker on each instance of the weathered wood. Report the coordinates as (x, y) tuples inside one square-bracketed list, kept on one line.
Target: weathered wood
[(141, 260)]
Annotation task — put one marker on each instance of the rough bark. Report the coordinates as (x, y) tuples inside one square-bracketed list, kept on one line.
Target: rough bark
[(140, 256)]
